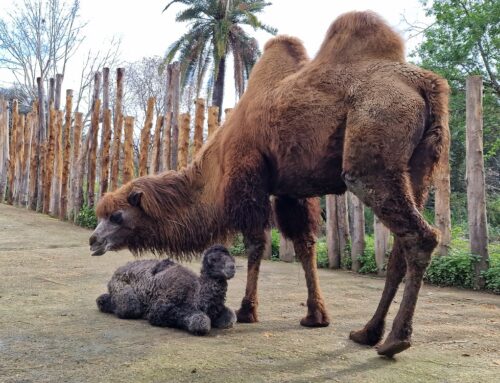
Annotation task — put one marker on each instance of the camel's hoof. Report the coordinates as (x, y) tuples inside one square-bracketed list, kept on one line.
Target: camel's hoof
[(318, 319), (246, 316), (392, 347), (366, 337)]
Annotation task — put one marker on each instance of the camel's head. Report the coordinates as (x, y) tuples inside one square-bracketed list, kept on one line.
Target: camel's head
[(122, 223), (218, 263)]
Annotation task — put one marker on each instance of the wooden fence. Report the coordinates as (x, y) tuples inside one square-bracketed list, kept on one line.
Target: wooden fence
[(51, 163)]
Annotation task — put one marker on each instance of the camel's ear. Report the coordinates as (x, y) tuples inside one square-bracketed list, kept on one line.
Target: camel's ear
[(134, 198)]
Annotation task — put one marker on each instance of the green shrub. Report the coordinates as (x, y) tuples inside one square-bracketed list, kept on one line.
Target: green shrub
[(455, 269), (238, 247), (86, 217), (275, 244), (492, 278), (322, 254), (367, 260)]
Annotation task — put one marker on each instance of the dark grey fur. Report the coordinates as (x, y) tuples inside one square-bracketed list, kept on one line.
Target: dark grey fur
[(170, 295)]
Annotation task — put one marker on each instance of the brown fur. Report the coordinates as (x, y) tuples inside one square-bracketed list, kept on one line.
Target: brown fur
[(356, 116)]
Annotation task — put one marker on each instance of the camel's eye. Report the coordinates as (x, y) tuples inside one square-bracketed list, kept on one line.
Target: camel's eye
[(116, 218)]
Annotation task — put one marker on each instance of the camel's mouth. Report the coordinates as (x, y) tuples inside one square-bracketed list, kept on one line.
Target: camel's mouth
[(98, 249)]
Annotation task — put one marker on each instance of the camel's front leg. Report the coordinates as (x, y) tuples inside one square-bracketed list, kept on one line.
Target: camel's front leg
[(254, 244)]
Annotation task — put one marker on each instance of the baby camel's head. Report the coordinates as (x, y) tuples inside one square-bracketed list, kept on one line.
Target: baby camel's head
[(218, 263)]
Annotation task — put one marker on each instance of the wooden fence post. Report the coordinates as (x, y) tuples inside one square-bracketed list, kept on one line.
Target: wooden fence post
[(476, 195), (213, 120), (12, 153), (42, 143), (63, 212), (92, 155), (337, 229), (104, 150), (117, 131), (198, 125), (145, 137), (34, 150), (184, 140), (21, 126), (175, 112), (128, 149), (287, 252), (358, 231), (49, 160), (155, 153), (55, 194), (381, 235), (167, 126), (4, 146), (78, 167), (23, 192)]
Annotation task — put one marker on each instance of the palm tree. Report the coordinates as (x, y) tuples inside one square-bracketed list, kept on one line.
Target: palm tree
[(215, 30)]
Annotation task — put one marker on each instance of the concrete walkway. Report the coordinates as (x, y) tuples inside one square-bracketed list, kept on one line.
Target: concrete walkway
[(51, 331)]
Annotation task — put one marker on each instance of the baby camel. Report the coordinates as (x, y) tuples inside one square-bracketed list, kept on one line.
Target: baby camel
[(168, 294)]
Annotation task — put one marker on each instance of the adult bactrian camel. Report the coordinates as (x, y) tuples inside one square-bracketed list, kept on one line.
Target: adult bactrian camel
[(357, 116)]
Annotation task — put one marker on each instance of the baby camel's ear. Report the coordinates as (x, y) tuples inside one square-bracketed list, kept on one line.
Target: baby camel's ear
[(134, 198)]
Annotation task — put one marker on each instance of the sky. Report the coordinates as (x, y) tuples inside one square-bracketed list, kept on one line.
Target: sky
[(146, 31)]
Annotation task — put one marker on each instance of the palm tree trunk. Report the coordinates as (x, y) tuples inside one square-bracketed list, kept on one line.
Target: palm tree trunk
[(218, 94)]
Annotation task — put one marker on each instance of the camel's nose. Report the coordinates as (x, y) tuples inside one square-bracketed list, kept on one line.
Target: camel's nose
[(92, 239)]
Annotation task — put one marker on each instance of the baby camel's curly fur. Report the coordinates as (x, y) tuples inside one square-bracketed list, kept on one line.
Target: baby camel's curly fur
[(168, 294)]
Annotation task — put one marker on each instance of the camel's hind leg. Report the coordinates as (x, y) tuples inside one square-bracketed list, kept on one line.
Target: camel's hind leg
[(389, 194), (298, 220)]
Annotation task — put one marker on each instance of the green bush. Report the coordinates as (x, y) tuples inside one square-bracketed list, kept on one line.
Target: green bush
[(367, 260), (275, 244), (455, 269), (238, 247), (322, 254), (492, 277), (86, 217)]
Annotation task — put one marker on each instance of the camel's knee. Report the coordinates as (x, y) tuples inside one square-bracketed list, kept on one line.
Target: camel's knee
[(419, 247)]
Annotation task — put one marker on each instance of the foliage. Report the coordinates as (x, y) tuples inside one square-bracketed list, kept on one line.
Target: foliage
[(215, 30), (455, 269), (275, 244), (492, 278), (368, 265), (322, 254), (86, 217)]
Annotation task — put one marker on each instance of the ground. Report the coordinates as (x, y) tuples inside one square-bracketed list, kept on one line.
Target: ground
[(51, 331)]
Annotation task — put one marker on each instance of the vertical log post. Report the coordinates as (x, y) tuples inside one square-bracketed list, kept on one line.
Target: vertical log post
[(55, 198), (198, 125), (176, 85), (23, 194), (155, 153), (145, 137), (4, 146), (49, 159), (476, 195), (92, 155), (167, 126), (213, 120), (358, 231), (78, 167), (381, 234), (117, 131), (34, 150), (63, 212), (42, 143), (184, 140), (337, 229), (12, 153), (128, 149), (21, 126), (104, 150)]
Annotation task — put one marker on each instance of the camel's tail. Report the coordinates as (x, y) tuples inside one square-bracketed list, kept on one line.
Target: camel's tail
[(435, 142)]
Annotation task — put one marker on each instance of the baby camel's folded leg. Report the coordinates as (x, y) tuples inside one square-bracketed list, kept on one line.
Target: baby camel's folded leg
[(126, 304), (226, 319), (104, 303), (184, 317)]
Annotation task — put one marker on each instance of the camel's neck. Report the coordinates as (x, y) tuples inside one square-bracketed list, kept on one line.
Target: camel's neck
[(212, 295)]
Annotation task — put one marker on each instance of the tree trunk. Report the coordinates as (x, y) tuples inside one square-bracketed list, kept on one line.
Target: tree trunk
[(4, 146), (21, 126), (167, 126), (213, 117), (128, 150), (476, 196), (117, 131), (34, 149), (358, 231), (58, 90), (155, 153), (145, 138), (12, 153), (49, 159), (287, 252), (218, 93), (184, 140), (92, 154), (58, 158), (105, 151), (66, 155), (23, 196), (381, 234), (332, 233), (198, 125), (175, 113), (442, 202), (42, 143), (78, 166)]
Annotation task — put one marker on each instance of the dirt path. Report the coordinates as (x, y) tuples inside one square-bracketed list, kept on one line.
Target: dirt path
[(51, 331)]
